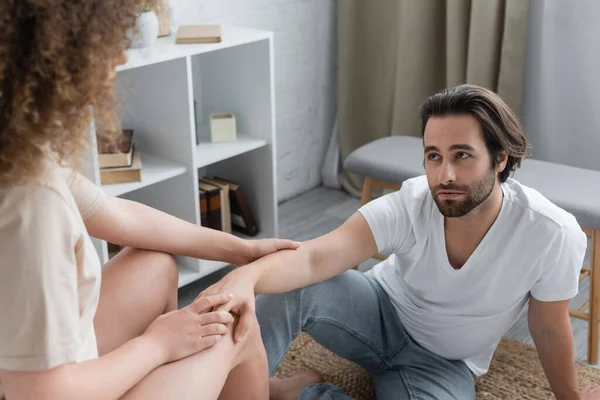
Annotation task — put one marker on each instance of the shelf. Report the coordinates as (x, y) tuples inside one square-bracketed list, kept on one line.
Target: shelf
[(154, 170), (165, 48), (208, 153), (188, 275), (158, 86)]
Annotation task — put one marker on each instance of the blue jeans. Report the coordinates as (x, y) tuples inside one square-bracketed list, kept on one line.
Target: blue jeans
[(352, 316)]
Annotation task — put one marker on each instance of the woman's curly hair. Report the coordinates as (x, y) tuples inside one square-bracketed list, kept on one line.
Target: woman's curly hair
[(57, 60)]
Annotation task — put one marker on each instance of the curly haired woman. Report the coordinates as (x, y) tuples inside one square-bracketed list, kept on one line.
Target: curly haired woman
[(70, 328)]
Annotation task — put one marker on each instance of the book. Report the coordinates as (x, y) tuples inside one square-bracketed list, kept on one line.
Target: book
[(242, 218), (213, 202), (203, 208), (187, 34), (123, 174), (225, 203), (117, 153)]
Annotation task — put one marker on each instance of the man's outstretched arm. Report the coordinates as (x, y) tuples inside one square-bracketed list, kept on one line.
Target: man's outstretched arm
[(551, 331), (314, 261)]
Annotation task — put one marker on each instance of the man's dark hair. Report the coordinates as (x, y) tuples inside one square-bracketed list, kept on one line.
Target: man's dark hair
[(501, 129)]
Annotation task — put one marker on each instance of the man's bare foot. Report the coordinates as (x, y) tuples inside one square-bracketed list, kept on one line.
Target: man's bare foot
[(289, 388)]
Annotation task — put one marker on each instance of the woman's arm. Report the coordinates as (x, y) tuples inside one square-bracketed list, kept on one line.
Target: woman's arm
[(171, 337), (108, 377), (128, 223)]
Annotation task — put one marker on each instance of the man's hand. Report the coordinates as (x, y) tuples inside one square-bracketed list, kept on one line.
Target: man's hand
[(241, 286), (262, 247), (590, 393)]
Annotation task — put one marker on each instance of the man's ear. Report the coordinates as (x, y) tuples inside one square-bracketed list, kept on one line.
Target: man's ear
[(502, 160)]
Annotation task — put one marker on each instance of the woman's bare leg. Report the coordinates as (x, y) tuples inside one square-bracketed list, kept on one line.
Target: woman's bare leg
[(250, 378), (137, 287), (225, 371), (140, 285)]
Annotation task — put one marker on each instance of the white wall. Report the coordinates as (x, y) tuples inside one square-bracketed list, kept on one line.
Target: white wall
[(305, 75), (561, 101)]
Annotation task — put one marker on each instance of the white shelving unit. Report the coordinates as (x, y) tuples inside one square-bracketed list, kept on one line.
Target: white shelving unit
[(163, 92), (155, 170)]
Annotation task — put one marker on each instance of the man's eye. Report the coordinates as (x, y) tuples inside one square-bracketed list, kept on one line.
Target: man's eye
[(432, 157), (462, 155)]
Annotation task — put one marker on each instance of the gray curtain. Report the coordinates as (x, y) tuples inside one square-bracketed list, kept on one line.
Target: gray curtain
[(561, 103), (395, 53)]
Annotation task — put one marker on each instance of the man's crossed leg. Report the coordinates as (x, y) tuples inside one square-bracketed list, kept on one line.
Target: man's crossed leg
[(352, 316)]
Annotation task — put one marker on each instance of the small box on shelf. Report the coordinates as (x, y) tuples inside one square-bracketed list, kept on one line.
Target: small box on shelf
[(222, 128)]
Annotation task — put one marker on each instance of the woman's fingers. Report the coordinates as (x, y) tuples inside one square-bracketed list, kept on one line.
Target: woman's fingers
[(213, 329), (207, 303), (215, 317), (209, 334), (204, 342)]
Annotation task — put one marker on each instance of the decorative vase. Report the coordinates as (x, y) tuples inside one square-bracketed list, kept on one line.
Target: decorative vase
[(145, 31)]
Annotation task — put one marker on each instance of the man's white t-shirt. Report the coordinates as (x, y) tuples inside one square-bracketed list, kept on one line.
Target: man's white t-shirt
[(533, 248)]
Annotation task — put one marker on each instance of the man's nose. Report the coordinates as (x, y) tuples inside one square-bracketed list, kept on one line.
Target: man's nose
[(446, 174)]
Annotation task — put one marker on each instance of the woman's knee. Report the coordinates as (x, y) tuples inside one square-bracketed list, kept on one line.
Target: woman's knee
[(252, 348), (161, 265), (167, 268), (156, 266)]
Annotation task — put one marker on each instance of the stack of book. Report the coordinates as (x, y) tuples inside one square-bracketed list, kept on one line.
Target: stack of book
[(118, 159), (224, 207)]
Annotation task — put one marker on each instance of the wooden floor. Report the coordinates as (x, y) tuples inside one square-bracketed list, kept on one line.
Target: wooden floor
[(321, 210)]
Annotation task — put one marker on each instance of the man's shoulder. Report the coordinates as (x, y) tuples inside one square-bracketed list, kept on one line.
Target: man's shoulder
[(411, 199), (416, 190), (541, 212)]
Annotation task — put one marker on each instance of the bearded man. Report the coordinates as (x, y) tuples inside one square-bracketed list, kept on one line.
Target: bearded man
[(470, 249)]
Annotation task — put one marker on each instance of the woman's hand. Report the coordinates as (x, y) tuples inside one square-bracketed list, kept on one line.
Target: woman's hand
[(241, 286), (262, 247), (196, 327)]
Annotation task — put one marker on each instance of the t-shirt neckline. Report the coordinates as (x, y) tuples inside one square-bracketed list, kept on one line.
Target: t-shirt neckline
[(441, 236)]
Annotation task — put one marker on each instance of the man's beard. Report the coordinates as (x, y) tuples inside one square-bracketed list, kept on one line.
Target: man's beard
[(475, 194)]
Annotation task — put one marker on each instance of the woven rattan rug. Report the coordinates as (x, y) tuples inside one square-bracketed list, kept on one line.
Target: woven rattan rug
[(515, 372)]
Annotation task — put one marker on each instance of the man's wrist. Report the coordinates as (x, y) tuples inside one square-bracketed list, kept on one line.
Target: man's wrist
[(249, 274)]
